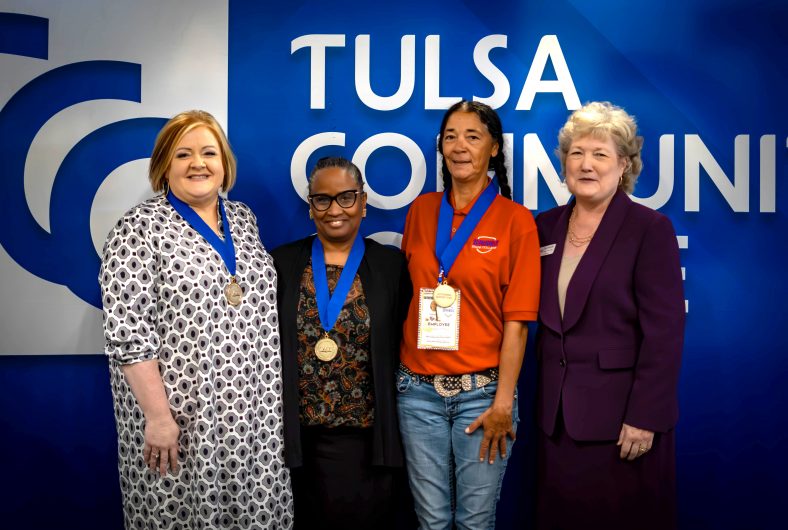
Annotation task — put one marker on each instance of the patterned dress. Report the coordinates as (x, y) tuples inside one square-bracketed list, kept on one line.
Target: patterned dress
[(163, 296)]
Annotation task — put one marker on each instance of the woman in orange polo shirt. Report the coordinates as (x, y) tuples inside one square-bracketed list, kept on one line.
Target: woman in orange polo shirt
[(473, 256)]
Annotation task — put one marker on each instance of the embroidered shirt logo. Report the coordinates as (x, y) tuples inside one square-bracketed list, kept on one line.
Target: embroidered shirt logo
[(485, 244)]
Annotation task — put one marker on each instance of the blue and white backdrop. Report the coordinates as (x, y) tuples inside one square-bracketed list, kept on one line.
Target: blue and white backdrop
[(86, 84)]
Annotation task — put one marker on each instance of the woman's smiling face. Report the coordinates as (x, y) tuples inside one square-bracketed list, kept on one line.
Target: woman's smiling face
[(196, 171), (467, 147), (593, 169), (337, 224)]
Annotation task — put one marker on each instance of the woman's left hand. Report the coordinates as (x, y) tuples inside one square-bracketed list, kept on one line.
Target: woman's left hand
[(497, 420), (634, 442), (497, 425)]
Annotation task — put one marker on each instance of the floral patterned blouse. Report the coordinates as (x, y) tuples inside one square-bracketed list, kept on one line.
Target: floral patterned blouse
[(337, 392)]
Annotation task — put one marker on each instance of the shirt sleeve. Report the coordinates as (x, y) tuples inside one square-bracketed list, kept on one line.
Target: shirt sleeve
[(129, 294), (521, 295), (408, 227)]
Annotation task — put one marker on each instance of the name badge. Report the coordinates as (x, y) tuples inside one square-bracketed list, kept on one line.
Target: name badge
[(439, 327), (546, 250)]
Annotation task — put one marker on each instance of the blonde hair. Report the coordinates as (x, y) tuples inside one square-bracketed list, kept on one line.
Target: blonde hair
[(602, 120), (172, 133)]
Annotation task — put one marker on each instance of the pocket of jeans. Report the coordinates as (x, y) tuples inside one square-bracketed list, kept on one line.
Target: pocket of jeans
[(489, 389), (403, 382)]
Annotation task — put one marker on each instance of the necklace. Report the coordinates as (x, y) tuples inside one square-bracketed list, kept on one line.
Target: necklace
[(574, 239)]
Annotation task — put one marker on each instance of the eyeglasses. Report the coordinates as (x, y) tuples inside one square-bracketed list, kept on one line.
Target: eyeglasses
[(322, 202)]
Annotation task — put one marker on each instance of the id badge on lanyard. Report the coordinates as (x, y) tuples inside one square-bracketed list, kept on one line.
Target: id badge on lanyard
[(439, 308), (439, 326)]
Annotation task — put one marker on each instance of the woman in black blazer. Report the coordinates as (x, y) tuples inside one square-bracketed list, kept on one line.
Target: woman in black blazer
[(342, 300)]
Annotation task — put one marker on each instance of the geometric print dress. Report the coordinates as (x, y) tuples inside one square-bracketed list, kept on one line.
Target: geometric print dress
[(163, 295)]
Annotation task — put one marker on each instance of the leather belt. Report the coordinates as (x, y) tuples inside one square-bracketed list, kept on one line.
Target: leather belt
[(451, 385)]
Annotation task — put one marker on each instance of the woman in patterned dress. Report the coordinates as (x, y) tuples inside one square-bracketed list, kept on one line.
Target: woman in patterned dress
[(190, 323), (342, 441)]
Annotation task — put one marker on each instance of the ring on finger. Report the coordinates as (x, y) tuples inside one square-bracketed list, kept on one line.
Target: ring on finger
[(642, 449)]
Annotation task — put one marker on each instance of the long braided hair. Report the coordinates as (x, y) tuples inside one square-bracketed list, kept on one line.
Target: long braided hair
[(493, 123)]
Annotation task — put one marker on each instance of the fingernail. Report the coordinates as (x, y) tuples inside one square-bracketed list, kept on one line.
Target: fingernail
[(467, 430)]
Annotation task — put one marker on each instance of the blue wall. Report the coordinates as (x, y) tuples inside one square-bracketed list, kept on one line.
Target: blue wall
[(697, 74)]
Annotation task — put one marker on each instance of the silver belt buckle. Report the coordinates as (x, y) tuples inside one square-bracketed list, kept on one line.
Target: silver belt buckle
[(482, 380), (442, 390)]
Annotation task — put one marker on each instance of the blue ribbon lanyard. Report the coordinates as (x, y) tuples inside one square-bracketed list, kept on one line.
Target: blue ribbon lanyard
[(447, 248), (329, 306), (224, 248)]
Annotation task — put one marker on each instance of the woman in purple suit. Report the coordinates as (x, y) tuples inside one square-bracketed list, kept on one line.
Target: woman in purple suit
[(610, 338)]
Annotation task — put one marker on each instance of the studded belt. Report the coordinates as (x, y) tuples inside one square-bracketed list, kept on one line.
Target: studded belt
[(451, 385)]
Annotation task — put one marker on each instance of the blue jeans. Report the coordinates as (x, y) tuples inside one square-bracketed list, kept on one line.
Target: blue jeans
[(449, 483)]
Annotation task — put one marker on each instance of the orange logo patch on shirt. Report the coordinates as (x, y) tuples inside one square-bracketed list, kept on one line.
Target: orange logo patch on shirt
[(485, 244)]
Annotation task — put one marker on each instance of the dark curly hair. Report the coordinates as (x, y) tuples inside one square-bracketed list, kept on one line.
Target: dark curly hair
[(493, 123)]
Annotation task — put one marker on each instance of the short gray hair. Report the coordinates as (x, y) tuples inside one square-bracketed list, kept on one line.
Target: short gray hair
[(602, 120)]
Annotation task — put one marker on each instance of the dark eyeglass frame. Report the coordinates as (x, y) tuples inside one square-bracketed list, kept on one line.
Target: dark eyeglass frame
[(333, 198)]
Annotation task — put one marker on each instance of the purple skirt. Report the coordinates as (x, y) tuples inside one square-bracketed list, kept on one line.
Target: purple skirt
[(587, 485)]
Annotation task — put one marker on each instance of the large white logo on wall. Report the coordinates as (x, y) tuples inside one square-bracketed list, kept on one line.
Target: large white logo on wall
[(81, 98)]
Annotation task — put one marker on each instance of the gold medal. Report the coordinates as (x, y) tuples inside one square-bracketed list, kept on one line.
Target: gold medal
[(326, 349), (444, 295), (233, 293)]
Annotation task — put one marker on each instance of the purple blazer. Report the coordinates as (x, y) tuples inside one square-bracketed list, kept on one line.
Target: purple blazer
[(615, 356)]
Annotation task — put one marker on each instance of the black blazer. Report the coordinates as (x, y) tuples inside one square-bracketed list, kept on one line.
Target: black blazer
[(388, 290)]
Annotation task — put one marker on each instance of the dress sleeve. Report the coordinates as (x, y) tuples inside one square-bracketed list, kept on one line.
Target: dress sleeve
[(255, 228), (129, 294), (653, 402)]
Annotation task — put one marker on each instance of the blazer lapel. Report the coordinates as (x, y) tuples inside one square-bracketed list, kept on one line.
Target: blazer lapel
[(551, 264), (594, 257)]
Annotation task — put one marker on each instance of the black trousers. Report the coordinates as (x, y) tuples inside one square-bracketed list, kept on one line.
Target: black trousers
[(337, 487)]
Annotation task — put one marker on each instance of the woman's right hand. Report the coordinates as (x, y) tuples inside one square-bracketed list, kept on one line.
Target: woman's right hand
[(161, 431), (161, 444)]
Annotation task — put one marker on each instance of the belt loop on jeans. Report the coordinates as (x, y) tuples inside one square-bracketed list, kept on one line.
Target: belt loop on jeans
[(451, 385)]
